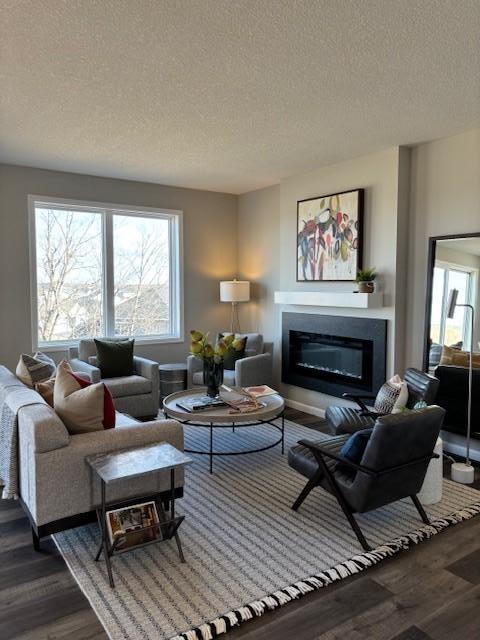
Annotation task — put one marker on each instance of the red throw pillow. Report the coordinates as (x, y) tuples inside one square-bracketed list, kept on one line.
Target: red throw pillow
[(108, 404)]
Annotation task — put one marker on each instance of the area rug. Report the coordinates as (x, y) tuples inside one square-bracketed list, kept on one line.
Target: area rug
[(246, 551)]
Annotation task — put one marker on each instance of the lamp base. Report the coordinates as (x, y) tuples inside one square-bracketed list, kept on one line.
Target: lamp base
[(462, 472)]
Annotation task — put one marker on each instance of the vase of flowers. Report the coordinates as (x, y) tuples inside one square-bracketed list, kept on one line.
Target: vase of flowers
[(365, 280), (213, 357)]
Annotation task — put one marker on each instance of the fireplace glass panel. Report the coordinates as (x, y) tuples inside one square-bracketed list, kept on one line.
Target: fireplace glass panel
[(332, 357)]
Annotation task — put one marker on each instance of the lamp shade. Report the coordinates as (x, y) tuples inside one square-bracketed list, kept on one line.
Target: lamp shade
[(234, 291)]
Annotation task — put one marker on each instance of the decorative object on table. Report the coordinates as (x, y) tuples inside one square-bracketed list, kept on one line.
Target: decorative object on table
[(329, 237), (463, 471), (366, 280), (260, 391), (213, 357), (173, 377), (136, 526), (234, 291), (200, 403)]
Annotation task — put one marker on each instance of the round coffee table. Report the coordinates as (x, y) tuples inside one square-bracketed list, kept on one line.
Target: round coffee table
[(221, 418)]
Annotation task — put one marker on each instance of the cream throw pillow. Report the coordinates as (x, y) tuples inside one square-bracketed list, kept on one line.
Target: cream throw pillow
[(81, 410)]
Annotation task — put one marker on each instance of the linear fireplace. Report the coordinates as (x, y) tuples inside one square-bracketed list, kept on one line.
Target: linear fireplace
[(333, 354)]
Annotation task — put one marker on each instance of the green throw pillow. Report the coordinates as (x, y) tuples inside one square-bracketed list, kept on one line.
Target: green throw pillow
[(233, 355), (115, 357)]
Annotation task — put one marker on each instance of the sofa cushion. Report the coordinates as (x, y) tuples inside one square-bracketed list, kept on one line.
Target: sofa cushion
[(392, 396), (128, 386), (45, 389), (228, 377), (355, 446), (459, 358), (115, 357), (108, 405), (80, 409), (86, 348), (36, 368)]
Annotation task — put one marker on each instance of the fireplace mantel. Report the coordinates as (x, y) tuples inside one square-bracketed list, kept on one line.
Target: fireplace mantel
[(331, 299)]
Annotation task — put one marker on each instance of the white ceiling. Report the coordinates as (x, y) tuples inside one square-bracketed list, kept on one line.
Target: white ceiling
[(231, 95)]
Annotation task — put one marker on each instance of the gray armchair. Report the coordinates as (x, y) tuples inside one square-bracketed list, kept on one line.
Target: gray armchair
[(137, 395), (255, 368), (393, 465)]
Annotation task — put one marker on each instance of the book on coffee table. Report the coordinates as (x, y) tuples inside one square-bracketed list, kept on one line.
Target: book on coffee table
[(260, 391), (200, 403)]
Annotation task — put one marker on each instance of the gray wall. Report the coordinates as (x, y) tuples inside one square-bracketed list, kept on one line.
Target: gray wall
[(444, 200), (210, 248)]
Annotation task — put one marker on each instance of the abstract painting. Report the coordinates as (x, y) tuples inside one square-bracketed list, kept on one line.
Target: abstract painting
[(329, 237)]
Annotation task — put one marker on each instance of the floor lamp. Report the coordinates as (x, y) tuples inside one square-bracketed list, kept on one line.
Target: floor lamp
[(234, 291), (463, 471)]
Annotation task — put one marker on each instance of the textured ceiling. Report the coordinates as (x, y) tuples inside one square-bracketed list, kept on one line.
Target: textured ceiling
[(230, 95)]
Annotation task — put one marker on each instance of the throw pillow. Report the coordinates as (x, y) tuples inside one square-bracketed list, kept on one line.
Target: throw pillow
[(392, 396), (108, 404), (80, 409), (36, 368), (457, 357), (355, 446), (45, 389), (115, 357), (233, 355)]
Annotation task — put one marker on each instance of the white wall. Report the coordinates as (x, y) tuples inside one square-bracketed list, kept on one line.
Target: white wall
[(444, 200), (210, 249), (274, 214)]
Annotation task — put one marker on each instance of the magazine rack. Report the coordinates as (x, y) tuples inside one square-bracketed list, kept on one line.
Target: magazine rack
[(134, 463)]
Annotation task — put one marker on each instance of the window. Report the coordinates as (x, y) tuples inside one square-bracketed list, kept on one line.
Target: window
[(454, 330), (104, 271)]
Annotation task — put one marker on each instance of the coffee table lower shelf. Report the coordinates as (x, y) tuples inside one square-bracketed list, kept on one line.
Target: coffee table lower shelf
[(239, 425)]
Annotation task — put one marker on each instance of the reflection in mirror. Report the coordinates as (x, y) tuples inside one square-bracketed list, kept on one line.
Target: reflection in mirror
[(456, 266)]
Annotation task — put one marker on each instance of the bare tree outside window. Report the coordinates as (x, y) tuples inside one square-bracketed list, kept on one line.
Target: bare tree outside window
[(69, 274), (83, 291), (141, 274)]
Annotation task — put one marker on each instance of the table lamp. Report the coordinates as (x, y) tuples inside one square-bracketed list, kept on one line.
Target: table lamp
[(234, 291), (463, 472)]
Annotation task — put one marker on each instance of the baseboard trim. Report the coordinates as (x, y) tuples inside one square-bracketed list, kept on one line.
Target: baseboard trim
[(307, 408)]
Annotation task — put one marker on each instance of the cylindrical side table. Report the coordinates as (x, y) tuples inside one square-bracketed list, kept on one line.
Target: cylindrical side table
[(431, 491), (173, 377)]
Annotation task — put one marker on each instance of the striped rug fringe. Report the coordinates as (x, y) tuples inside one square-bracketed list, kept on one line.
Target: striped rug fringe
[(222, 624)]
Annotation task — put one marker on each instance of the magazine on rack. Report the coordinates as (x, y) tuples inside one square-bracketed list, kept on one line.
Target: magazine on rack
[(128, 525)]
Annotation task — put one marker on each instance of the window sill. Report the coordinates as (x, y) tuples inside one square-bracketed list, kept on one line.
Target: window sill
[(64, 346)]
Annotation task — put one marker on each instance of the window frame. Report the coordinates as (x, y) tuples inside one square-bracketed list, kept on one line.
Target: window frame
[(472, 273), (107, 211)]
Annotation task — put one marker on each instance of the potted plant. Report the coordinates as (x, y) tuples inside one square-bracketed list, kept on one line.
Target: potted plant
[(213, 358), (365, 280)]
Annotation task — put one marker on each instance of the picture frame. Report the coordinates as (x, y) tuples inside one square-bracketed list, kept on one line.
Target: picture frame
[(330, 237)]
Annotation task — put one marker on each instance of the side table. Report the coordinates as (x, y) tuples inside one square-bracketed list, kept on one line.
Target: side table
[(431, 491), (173, 377), (133, 463)]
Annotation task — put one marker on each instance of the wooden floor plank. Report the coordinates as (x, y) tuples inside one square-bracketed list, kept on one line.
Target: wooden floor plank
[(457, 619), (467, 567)]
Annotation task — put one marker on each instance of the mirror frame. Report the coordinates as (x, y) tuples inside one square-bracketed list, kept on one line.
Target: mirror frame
[(432, 249)]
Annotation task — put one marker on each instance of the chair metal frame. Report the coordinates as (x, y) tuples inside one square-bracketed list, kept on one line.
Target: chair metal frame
[(324, 472)]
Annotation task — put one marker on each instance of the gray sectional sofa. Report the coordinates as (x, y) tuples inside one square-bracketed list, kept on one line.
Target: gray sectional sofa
[(56, 487)]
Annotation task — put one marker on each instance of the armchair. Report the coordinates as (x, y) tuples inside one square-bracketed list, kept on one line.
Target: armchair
[(392, 467), (255, 368), (421, 386), (137, 395)]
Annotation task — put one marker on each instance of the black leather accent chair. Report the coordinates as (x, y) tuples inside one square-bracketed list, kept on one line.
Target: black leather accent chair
[(421, 386), (392, 467)]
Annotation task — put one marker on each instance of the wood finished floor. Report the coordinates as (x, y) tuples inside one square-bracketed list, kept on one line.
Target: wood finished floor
[(429, 593)]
